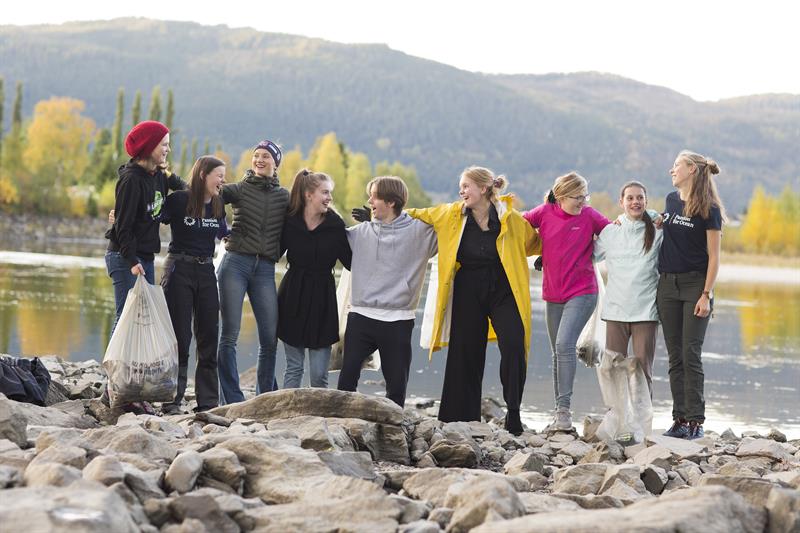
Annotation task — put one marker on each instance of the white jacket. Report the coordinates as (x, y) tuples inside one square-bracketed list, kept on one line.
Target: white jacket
[(632, 273)]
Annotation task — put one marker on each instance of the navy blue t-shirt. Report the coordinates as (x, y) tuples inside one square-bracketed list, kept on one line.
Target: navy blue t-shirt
[(191, 236), (684, 248)]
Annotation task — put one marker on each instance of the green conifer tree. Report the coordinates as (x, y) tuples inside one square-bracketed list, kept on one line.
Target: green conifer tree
[(155, 104), (136, 109)]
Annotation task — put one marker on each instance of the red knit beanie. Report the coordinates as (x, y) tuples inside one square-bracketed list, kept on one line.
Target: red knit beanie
[(144, 137)]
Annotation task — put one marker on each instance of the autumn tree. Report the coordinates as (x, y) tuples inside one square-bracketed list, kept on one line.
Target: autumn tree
[(416, 194), (359, 172), (328, 157), (136, 109), (2, 110), (758, 214), (155, 104), (116, 130), (291, 164), (57, 150)]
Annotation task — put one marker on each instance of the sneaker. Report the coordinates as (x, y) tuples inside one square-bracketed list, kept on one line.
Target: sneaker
[(695, 430), (563, 420), (679, 429), (171, 409)]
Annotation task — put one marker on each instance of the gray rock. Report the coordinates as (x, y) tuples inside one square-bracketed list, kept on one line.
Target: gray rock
[(590, 425), (629, 475), (577, 449), (54, 474), (145, 485), (426, 461), (384, 442), (276, 472), (224, 466), (535, 480), (66, 455), (544, 503), (396, 478), (713, 507), (288, 403), (535, 441), (315, 433), (604, 452), (459, 454), (412, 510), (580, 479), (13, 424), (480, 430), (737, 468), (728, 436), (432, 484), (689, 471), (492, 409), (790, 477), (624, 492), (9, 477), (755, 491), (338, 503), (158, 511), (590, 501), (61, 437), (355, 464), (476, 500), (182, 474), (674, 483), (441, 515), (206, 417), (525, 462), (655, 455), (132, 439), (84, 506), (205, 509), (654, 479), (420, 526), (105, 469), (776, 435), (426, 427), (783, 506), (763, 448), (680, 448), (35, 415)]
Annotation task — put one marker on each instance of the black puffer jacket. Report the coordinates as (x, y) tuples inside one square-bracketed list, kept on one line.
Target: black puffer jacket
[(259, 209)]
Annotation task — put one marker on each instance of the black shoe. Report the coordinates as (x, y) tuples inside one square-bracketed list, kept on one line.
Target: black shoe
[(679, 429), (513, 423)]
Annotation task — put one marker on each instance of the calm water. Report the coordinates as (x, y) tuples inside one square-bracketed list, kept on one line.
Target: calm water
[(52, 304)]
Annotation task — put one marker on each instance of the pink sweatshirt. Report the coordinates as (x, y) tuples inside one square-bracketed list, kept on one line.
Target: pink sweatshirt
[(567, 244)]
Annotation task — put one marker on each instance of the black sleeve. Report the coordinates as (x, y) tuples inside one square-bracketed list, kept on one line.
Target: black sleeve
[(714, 221), (230, 193), (345, 252), (168, 210), (175, 183), (127, 202), (284, 239)]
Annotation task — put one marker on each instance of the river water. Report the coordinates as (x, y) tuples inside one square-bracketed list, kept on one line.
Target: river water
[(57, 299)]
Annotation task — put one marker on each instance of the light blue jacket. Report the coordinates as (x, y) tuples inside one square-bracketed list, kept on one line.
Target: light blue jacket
[(632, 273)]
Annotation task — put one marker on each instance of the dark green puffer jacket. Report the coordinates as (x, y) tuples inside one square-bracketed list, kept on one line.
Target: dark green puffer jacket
[(259, 209)]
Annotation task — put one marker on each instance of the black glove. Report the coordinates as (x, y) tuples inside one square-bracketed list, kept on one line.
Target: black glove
[(361, 214), (537, 265)]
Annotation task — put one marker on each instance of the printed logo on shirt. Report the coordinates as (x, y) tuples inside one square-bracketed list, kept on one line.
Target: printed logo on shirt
[(189, 221), (204, 222), (155, 207), (575, 228), (682, 221)]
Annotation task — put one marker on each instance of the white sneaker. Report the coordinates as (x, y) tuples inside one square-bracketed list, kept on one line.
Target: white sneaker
[(563, 420)]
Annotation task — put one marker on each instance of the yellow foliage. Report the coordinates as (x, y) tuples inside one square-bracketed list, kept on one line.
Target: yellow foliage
[(244, 163), (8, 192), (58, 140), (105, 202), (290, 165)]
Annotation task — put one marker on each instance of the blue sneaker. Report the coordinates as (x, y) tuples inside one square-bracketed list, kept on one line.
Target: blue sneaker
[(695, 430), (679, 430)]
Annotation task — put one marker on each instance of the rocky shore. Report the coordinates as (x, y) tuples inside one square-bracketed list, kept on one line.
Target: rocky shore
[(323, 460)]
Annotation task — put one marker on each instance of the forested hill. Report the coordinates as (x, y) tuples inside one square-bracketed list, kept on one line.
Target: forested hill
[(237, 86)]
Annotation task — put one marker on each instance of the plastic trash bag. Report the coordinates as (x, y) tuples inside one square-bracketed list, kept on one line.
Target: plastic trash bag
[(373, 362), (142, 357), (626, 394), (592, 340)]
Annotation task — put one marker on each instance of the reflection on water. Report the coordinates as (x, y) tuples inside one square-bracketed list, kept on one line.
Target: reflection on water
[(752, 350)]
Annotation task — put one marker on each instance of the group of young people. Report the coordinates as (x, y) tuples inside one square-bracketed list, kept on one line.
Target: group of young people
[(482, 285)]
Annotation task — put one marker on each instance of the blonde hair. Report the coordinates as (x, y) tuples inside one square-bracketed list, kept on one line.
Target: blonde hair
[(702, 194), (483, 177), (390, 189), (567, 185)]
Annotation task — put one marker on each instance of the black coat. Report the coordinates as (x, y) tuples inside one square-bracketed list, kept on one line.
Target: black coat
[(307, 312)]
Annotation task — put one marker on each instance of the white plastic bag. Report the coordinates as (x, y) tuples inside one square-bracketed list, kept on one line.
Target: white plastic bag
[(373, 362), (626, 394), (592, 340), (141, 359)]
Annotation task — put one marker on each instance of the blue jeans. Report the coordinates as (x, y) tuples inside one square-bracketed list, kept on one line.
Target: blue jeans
[(239, 274), (565, 321), (318, 361), (119, 270)]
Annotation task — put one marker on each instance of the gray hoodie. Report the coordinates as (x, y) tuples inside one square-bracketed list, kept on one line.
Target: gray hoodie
[(389, 262)]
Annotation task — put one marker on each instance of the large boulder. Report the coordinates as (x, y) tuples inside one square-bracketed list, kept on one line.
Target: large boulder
[(580, 479), (432, 484), (132, 439), (182, 474), (289, 403), (33, 415), (83, 506), (478, 499), (449, 454), (755, 491), (697, 509), (763, 448), (105, 469), (783, 506), (315, 433), (223, 465)]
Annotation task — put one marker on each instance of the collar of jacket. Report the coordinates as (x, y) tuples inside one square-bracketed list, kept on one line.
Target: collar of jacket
[(261, 181), (331, 220), (502, 204)]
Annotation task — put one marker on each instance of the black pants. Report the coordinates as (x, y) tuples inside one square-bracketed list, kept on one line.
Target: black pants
[(684, 334), (479, 295), (365, 335), (191, 291)]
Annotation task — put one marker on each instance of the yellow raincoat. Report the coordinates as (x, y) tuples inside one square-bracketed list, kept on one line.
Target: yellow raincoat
[(516, 241)]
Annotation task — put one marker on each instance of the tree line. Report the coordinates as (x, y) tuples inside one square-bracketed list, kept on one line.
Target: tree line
[(59, 162)]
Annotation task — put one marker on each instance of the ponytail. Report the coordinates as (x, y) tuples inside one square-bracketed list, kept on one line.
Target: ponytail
[(551, 197), (649, 231)]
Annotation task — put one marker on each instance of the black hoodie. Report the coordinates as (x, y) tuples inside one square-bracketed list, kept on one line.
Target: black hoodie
[(139, 197)]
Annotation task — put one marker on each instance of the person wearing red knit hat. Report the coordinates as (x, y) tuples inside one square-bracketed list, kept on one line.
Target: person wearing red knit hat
[(143, 184)]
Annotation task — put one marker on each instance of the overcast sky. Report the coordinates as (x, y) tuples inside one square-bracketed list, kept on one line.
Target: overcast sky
[(705, 49)]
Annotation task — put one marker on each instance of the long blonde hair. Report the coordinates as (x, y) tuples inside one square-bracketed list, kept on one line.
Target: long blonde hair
[(483, 177), (702, 194)]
